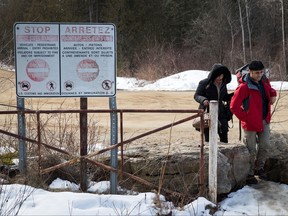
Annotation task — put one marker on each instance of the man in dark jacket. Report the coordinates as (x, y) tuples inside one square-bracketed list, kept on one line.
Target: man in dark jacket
[(251, 104), (214, 87)]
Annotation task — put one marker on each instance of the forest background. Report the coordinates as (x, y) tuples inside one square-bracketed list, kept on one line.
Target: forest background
[(160, 38)]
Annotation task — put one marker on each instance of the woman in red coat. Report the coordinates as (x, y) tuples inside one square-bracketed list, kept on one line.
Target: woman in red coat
[(251, 104)]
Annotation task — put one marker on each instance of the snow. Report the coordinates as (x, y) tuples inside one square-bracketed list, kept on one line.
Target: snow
[(264, 198), (183, 81)]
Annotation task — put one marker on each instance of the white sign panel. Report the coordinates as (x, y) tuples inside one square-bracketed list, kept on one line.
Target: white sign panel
[(65, 60)]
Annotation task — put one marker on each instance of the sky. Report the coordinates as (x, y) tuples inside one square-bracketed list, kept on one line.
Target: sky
[(264, 198)]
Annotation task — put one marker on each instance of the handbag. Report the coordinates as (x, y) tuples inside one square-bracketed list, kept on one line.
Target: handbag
[(197, 121)]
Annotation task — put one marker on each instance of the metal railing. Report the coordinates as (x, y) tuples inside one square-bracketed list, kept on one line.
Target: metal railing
[(87, 158)]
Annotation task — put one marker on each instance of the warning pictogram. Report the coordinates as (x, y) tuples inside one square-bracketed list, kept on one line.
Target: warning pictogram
[(69, 85), (106, 84), (37, 70), (87, 70), (51, 85), (25, 85)]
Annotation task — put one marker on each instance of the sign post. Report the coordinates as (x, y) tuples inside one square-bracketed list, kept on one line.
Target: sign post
[(114, 140), (22, 133), (83, 144)]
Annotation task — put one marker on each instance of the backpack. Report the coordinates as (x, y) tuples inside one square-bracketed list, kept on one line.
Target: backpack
[(243, 71)]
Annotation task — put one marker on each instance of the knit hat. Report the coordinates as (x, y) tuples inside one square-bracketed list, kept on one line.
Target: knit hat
[(256, 65)]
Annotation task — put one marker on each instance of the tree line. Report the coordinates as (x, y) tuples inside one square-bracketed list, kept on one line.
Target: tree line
[(157, 38)]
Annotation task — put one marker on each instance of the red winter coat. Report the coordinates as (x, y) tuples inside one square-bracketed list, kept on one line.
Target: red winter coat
[(246, 104)]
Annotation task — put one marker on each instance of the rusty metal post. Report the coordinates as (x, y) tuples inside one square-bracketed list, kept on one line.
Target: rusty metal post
[(121, 140), (39, 141), (202, 160), (83, 144)]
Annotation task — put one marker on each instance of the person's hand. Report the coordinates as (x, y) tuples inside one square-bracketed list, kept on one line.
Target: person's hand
[(206, 103), (273, 99)]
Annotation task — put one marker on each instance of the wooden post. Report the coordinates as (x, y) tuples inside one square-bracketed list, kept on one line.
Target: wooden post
[(213, 151)]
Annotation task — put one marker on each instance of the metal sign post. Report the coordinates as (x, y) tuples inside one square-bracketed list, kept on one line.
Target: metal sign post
[(22, 133), (83, 144), (114, 140)]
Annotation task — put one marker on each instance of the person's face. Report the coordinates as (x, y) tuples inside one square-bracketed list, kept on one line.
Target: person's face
[(256, 75), (219, 79)]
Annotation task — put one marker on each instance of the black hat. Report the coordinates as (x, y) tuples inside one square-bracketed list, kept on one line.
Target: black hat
[(256, 65)]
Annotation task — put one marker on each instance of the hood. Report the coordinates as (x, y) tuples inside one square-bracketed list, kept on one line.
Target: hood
[(217, 70)]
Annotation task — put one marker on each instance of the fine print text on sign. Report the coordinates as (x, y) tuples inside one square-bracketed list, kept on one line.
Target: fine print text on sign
[(65, 60)]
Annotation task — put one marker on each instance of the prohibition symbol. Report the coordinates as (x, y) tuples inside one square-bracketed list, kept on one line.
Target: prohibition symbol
[(106, 84), (51, 85), (69, 85), (37, 70), (87, 70), (25, 85)]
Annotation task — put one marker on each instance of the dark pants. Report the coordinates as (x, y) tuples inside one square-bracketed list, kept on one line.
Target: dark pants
[(222, 131)]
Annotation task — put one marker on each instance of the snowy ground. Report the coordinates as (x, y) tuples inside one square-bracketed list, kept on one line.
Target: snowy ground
[(265, 198)]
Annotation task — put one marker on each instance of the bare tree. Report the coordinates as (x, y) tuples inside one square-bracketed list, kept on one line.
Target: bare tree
[(248, 27), (234, 31), (242, 29), (283, 37)]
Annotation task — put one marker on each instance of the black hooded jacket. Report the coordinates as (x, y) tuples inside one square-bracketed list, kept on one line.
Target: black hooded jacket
[(206, 89)]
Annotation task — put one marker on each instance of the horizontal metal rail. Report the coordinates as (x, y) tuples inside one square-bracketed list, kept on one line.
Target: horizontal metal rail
[(75, 159), (104, 111)]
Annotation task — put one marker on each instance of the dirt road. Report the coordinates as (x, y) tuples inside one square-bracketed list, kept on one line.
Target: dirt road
[(137, 123)]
